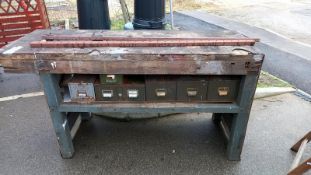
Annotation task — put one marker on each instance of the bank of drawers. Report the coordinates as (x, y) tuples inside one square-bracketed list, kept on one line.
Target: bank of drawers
[(129, 92), (155, 88)]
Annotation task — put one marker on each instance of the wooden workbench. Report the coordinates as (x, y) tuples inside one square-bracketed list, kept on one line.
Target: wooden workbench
[(50, 63)]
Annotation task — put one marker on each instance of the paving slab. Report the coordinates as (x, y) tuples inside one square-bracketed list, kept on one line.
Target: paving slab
[(180, 144)]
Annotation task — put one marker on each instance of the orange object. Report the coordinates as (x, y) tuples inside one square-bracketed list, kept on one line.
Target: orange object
[(66, 41), (19, 17)]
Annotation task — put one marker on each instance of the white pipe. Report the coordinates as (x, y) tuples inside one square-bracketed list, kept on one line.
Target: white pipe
[(272, 91), (67, 24)]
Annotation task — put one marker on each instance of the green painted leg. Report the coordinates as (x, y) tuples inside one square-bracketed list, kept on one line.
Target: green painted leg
[(240, 120), (237, 135), (59, 119), (63, 134)]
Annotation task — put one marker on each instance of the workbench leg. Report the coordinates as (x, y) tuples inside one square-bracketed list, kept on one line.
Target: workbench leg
[(59, 119), (240, 120)]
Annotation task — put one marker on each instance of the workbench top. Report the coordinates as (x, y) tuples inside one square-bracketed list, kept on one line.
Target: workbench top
[(18, 56)]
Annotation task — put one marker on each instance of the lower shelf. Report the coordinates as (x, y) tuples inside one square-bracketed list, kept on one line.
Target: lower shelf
[(150, 107)]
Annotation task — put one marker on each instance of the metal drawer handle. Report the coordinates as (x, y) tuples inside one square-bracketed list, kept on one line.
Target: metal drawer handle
[(82, 94), (111, 77), (223, 91), (107, 93), (133, 93), (160, 92), (192, 92)]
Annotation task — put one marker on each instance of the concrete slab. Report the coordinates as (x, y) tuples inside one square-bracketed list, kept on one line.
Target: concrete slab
[(286, 17), (180, 144)]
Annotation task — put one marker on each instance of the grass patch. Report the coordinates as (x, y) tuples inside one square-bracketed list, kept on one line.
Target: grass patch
[(117, 24), (268, 80)]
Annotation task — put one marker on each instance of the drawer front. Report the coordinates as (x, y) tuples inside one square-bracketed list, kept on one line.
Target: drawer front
[(111, 79), (134, 92), (108, 93), (161, 90), (80, 91), (192, 90), (223, 90)]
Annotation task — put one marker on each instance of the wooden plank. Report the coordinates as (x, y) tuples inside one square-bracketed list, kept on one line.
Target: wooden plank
[(125, 67), (142, 43), (19, 25), (131, 57), (130, 64), (146, 67), (296, 146), (302, 168), (142, 64), (20, 19), (19, 66), (10, 38), (3, 15), (43, 13), (15, 32), (299, 154)]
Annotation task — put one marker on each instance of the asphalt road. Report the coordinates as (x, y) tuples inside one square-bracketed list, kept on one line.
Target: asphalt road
[(15, 84)]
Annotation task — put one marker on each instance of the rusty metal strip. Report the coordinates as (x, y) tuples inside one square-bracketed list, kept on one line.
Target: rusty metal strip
[(143, 43)]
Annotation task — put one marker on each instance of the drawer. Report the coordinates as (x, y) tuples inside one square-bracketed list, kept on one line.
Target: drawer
[(222, 89), (134, 92), (111, 79), (192, 89), (81, 87), (160, 88), (108, 92), (81, 91)]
